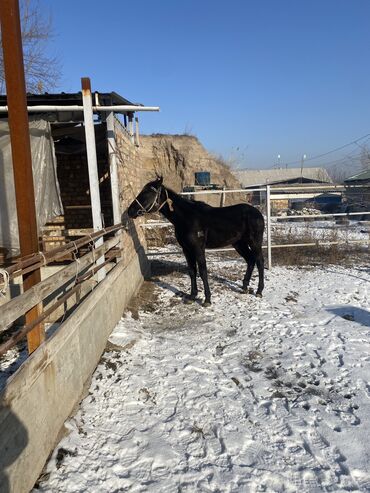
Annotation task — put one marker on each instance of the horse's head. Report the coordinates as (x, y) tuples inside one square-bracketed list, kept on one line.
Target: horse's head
[(148, 199)]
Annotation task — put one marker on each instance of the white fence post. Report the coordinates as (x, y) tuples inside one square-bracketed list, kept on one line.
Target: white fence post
[(113, 168), (268, 226), (223, 197), (92, 163)]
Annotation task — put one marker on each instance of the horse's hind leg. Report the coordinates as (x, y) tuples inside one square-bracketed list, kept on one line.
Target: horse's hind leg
[(249, 257), (192, 265), (202, 265), (261, 267)]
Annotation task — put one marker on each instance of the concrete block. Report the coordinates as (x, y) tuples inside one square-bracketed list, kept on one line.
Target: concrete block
[(42, 394)]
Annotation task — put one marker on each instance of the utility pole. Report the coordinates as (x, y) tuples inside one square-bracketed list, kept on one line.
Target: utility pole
[(302, 163), (21, 151)]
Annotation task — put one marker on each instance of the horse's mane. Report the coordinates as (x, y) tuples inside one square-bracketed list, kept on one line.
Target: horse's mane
[(199, 204)]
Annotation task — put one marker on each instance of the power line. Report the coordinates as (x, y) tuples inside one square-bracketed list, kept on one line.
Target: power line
[(330, 152)]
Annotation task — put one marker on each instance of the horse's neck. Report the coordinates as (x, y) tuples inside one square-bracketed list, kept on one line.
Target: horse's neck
[(174, 205)]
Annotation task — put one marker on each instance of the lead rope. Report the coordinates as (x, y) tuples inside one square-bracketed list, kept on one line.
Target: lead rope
[(167, 201), (5, 282), (43, 257)]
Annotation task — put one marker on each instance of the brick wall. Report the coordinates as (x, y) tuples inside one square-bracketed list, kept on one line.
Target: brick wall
[(133, 173), (73, 178)]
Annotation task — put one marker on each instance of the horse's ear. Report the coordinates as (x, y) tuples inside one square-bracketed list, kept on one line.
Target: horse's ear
[(159, 180)]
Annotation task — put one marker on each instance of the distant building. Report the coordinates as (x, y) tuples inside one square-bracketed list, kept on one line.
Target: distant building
[(358, 197), (281, 176), (286, 177)]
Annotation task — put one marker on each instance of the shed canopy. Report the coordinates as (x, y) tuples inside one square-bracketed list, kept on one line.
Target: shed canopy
[(69, 99), (363, 176)]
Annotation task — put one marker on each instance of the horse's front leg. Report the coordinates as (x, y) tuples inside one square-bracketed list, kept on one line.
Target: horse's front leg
[(192, 265), (202, 265)]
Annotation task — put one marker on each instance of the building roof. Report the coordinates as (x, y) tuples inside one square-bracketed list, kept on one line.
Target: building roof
[(362, 176), (258, 177)]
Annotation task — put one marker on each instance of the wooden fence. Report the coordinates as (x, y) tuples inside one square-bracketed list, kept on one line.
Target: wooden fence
[(59, 287)]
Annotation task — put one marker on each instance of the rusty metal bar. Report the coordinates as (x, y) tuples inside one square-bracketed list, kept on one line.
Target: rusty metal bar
[(21, 150), (18, 336), (109, 257), (34, 261)]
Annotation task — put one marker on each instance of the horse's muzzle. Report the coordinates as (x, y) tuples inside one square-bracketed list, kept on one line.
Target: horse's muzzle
[(132, 212)]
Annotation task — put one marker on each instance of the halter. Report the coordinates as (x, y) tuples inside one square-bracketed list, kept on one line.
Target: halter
[(142, 209)]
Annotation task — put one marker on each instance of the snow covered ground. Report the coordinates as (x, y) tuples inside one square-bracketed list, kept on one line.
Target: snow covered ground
[(248, 395)]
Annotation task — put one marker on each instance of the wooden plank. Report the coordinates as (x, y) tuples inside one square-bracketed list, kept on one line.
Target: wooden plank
[(16, 307)]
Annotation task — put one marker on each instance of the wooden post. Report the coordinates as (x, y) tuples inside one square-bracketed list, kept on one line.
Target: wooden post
[(92, 163), (137, 133), (21, 151), (113, 168), (131, 126)]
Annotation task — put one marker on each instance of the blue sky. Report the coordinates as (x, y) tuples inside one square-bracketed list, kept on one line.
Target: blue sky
[(251, 79)]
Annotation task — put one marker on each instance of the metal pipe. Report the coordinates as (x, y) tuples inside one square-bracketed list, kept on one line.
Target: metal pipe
[(21, 150), (288, 245), (268, 226), (319, 216), (74, 107), (242, 190)]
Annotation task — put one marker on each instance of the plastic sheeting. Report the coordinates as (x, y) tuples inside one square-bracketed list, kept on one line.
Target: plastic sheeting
[(47, 194)]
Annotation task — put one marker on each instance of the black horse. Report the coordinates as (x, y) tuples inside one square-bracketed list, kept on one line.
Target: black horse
[(199, 226)]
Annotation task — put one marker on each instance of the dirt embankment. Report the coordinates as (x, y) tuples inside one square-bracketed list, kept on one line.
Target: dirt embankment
[(178, 157)]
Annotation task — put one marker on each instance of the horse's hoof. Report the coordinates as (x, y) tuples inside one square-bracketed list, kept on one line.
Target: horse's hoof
[(258, 295), (188, 300), (206, 303), (248, 290)]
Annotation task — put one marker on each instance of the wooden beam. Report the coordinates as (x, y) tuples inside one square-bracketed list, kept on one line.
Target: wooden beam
[(21, 151), (131, 126), (137, 132)]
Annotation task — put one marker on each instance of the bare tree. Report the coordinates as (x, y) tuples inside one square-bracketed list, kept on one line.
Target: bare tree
[(365, 158), (42, 70), (338, 173)]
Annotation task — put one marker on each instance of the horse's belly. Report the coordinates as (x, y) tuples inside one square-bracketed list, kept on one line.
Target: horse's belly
[(219, 239)]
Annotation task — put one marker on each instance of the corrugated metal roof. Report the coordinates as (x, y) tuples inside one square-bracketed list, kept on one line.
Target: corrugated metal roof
[(65, 98), (363, 176), (256, 177)]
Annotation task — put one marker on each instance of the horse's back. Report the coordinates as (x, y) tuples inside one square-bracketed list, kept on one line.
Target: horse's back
[(228, 225)]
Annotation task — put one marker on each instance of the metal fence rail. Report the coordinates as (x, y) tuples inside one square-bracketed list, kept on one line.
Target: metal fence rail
[(269, 193)]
